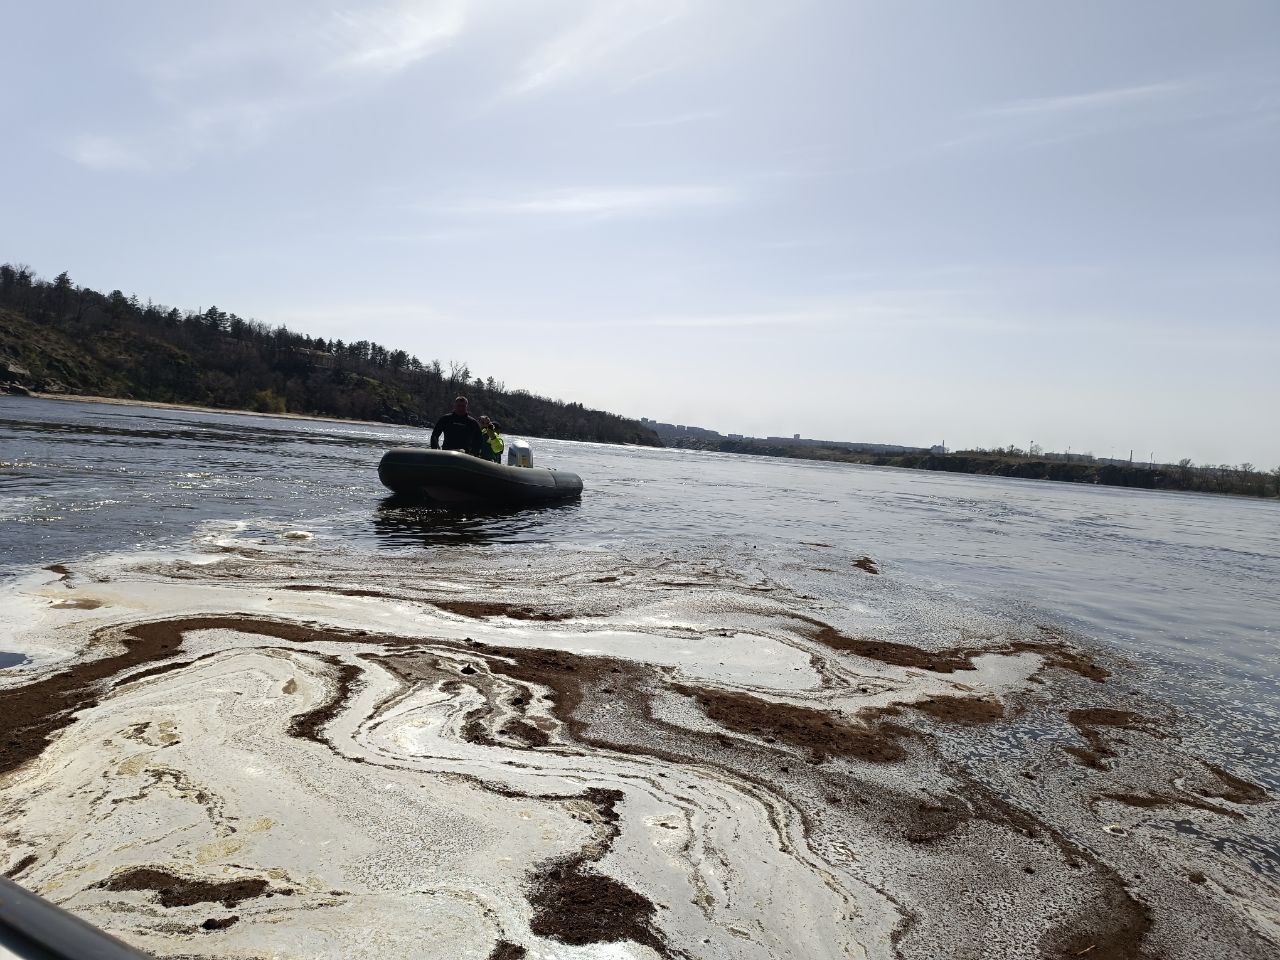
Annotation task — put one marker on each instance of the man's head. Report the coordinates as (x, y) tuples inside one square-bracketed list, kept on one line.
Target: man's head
[(460, 406)]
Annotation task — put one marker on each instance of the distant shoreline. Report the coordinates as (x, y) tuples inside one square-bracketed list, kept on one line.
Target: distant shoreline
[(972, 465), (1177, 478)]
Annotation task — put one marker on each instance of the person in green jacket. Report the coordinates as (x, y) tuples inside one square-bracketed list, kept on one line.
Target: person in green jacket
[(493, 442)]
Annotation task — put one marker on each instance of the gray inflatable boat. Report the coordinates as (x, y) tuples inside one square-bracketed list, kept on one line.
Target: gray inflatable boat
[(454, 479)]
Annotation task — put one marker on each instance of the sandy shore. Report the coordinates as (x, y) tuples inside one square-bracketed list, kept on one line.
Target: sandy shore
[(270, 747)]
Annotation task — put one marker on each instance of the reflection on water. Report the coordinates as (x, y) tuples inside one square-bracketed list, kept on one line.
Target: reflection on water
[(406, 522)]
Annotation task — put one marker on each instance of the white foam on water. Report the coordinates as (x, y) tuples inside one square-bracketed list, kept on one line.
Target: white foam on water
[(398, 834)]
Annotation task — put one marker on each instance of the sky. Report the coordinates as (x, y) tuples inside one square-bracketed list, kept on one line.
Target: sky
[(984, 223)]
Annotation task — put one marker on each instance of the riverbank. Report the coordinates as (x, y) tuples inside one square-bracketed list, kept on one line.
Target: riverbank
[(106, 346)]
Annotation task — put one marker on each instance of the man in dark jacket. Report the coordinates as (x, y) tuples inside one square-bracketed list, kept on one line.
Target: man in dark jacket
[(460, 431)]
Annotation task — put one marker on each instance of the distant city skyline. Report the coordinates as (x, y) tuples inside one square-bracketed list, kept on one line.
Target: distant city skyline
[(989, 222)]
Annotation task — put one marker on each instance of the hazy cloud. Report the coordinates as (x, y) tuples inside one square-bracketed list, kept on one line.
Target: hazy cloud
[(607, 28), (674, 120), (394, 38), (230, 92), (606, 201), (1095, 100), (1038, 121), (105, 153)]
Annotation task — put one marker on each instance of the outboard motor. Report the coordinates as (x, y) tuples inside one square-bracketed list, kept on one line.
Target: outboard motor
[(519, 454)]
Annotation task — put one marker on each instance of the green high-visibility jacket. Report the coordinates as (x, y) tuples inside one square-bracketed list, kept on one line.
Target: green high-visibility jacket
[(496, 443)]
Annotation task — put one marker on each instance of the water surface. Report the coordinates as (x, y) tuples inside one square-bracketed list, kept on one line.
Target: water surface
[(1184, 584)]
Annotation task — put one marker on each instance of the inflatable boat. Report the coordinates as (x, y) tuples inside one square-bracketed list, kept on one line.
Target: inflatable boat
[(32, 928), (451, 478)]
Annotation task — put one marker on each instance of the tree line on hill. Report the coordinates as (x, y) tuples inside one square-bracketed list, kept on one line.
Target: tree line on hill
[(1243, 479), (58, 337)]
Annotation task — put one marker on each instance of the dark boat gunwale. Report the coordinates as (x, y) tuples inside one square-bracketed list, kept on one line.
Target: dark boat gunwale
[(453, 478)]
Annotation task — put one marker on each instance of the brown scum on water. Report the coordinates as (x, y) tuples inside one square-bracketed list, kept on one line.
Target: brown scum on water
[(571, 899)]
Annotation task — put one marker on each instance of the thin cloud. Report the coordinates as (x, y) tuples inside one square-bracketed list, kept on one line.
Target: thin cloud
[(676, 120), (871, 309), (106, 153), (606, 201), (1044, 121), (1079, 102), (595, 39), (355, 316), (229, 93), (393, 39), (738, 320)]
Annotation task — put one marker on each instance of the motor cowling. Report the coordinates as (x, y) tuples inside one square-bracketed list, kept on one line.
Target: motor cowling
[(519, 454)]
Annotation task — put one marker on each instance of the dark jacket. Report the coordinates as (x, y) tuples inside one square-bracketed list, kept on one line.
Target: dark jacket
[(461, 432)]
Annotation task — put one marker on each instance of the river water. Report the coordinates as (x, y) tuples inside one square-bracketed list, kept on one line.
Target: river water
[(757, 708), (1186, 585)]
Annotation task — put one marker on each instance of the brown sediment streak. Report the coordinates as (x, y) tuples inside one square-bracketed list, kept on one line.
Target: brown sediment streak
[(60, 569), (1112, 925), (526, 732), (220, 923), (1149, 800), (867, 565), (905, 814), (77, 603), (173, 890), (575, 904), (897, 654), (479, 609), (628, 687), (341, 591), (1233, 789), (36, 711), (307, 726), (1109, 923), (578, 681), (965, 710), (506, 950), (821, 733), (950, 659), (1092, 721), (20, 866), (564, 674), (161, 669), (479, 724)]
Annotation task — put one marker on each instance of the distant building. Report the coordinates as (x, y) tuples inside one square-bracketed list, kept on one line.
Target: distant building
[(796, 437), (938, 449)]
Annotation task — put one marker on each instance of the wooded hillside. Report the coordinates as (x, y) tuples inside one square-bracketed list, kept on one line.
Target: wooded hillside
[(58, 337)]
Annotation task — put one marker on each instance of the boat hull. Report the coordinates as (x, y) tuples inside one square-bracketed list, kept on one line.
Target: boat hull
[(454, 479)]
